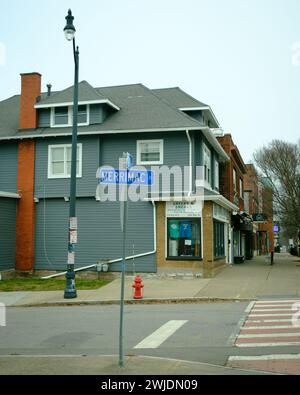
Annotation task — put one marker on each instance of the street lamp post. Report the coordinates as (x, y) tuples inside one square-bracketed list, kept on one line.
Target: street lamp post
[(70, 290)]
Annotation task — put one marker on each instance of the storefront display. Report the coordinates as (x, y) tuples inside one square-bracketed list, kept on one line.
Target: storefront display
[(184, 238)]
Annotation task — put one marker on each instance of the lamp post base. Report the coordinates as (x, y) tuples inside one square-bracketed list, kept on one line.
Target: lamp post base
[(70, 291)]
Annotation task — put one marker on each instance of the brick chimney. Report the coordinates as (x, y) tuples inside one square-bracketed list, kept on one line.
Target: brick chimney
[(25, 221), (30, 90)]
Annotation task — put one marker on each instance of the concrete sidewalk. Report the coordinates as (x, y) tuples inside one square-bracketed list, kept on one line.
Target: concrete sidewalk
[(109, 365), (249, 281)]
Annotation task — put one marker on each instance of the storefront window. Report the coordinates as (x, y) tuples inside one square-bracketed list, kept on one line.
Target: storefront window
[(184, 238), (219, 239)]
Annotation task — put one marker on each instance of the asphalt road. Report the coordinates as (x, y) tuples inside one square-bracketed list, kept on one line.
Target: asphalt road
[(206, 333)]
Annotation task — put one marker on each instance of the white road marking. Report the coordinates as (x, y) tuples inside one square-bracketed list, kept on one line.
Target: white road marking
[(267, 344), (278, 301), (257, 321), (283, 306), (247, 328), (265, 357), (161, 334), (279, 309), (249, 307), (272, 314), (295, 334)]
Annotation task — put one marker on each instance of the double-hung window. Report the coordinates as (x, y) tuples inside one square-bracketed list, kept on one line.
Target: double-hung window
[(82, 114), (59, 161), (234, 180), (61, 116), (150, 152), (207, 164), (219, 239), (241, 188), (216, 175)]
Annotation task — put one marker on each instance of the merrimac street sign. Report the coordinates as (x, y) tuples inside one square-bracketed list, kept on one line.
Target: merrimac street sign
[(129, 177)]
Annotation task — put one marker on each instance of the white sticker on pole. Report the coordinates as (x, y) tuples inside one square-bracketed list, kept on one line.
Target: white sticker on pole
[(71, 258), (73, 236), (73, 223)]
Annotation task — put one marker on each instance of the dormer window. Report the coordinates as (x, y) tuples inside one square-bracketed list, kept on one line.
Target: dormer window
[(61, 116), (82, 114)]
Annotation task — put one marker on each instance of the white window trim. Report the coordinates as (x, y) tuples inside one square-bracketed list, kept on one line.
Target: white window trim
[(65, 176), (138, 152), (241, 188), (235, 180), (217, 175), (70, 117), (207, 184)]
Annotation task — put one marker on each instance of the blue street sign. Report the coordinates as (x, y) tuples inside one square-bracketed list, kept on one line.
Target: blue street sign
[(129, 160), (129, 177)]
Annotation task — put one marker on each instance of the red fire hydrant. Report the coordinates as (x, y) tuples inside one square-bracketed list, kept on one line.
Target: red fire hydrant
[(138, 286)]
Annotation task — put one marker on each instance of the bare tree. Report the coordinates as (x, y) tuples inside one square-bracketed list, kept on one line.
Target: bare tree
[(280, 163)]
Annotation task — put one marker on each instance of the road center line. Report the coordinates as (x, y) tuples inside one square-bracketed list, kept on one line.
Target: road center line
[(161, 334)]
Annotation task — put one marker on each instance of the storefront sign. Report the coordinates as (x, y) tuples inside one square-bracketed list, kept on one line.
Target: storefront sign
[(220, 213), (184, 209), (260, 218)]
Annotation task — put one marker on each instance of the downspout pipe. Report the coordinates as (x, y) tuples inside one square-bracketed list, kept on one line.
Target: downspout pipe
[(190, 163), (119, 259)]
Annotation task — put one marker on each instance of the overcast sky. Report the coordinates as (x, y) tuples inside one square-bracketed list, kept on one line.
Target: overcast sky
[(242, 57)]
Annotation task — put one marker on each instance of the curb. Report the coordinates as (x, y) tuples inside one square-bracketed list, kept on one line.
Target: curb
[(135, 302)]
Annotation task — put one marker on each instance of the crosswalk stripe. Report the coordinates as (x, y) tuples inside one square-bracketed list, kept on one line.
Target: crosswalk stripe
[(250, 328), (274, 310), (272, 315), (250, 336), (256, 321), (264, 357), (283, 306), (161, 334), (278, 301), (269, 324), (254, 345)]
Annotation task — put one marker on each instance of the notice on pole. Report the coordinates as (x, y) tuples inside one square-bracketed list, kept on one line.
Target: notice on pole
[(73, 236), (73, 223), (71, 258)]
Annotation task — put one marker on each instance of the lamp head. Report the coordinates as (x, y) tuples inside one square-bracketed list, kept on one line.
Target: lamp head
[(69, 29)]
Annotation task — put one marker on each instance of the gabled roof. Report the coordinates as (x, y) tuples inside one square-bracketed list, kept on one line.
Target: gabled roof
[(183, 101), (86, 93), (178, 98), (140, 110), (9, 116)]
